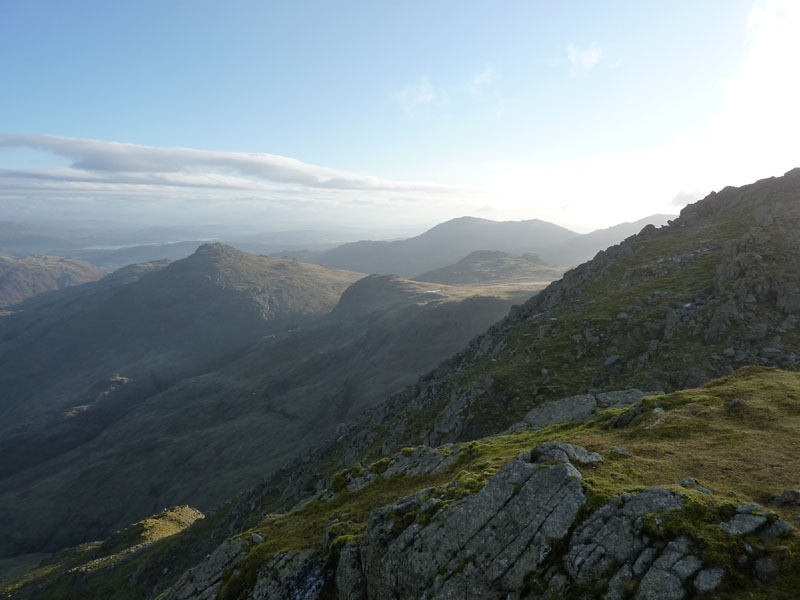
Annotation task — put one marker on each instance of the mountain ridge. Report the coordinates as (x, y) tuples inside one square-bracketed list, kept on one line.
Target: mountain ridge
[(715, 291), (22, 278), (175, 429), (443, 244)]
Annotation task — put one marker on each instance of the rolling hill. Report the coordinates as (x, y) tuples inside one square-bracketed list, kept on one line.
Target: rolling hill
[(442, 245), (21, 278), (222, 368), (486, 266)]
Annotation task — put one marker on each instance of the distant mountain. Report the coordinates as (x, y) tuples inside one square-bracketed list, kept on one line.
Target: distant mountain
[(194, 379), (442, 245), (120, 257), (584, 247), (21, 278), (486, 266), (542, 460)]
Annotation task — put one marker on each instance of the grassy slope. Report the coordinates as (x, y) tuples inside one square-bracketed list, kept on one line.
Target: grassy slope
[(81, 562), (744, 451), (487, 266)]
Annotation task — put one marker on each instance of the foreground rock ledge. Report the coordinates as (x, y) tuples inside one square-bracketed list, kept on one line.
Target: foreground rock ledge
[(527, 533)]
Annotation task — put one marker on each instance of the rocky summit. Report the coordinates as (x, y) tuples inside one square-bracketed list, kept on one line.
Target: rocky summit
[(628, 433)]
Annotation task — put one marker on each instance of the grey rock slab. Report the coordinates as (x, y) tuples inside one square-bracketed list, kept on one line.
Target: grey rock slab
[(566, 410), (203, 581), (775, 530), (350, 582), (687, 566), (660, 585), (743, 524), (291, 575), (483, 545), (767, 568), (612, 535), (788, 498), (644, 560), (565, 453), (708, 580)]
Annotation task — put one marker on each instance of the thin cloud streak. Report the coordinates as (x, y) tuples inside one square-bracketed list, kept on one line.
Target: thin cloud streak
[(121, 160), (585, 58), (142, 183), (412, 97), (481, 80)]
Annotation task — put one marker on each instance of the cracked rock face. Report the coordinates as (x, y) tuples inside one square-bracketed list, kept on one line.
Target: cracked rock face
[(525, 533), (482, 546), (613, 537), (203, 581)]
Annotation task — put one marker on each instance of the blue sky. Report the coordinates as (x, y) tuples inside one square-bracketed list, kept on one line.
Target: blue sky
[(581, 113)]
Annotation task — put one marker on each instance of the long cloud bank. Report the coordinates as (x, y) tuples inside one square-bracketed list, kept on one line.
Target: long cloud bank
[(102, 157), (120, 180)]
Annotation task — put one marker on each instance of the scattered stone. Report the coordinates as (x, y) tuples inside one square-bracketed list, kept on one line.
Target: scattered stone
[(687, 482), (565, 453), (618, 450), (708, 580), (702, 490), (775, 530), (743, 524), (257, 538), (741, 561), (748, 509), (687, 566), (767, 568), (623, 419), (787, 498)]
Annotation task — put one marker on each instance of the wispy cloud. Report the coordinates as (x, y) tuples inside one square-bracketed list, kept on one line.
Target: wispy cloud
[(103, 161), (127, 180), (411, 98), (481, 80), (585, 58)]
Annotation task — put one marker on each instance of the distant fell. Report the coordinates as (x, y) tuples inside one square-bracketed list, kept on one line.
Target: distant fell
[(195, 379), (443, 244), (584, 247), (21, 278), (484, 266)]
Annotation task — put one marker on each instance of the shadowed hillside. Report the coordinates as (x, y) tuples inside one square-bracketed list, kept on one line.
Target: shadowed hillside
[(235, 380), (21, 278)]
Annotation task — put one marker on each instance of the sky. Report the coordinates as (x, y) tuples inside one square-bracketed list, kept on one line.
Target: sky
[(390, 115)]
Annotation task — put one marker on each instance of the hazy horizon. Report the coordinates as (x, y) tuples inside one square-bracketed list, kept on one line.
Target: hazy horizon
[(392, 118)]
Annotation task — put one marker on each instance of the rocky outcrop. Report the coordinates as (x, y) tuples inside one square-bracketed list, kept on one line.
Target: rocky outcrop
[(482, 546), (529, 532), (582, 407)]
